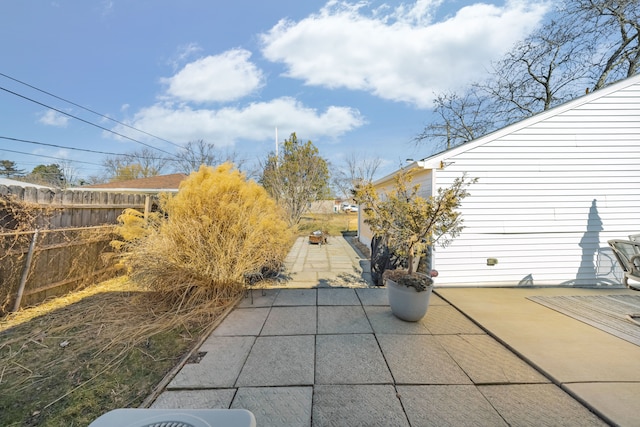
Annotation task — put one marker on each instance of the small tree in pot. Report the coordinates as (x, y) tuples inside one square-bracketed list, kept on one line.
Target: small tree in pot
[(409, 223)]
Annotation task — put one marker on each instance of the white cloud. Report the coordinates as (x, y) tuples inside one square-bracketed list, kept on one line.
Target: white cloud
[(183, 54), (53, 118), (220, 78), (401, 55), (256, 121)]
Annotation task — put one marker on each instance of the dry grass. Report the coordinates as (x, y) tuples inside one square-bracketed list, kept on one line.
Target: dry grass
[(67, 361), (70, 359), (333, 223)]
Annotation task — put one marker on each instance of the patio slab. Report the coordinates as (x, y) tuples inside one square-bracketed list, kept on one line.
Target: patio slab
[(581, 358), (343, 320), (219, 368), (384, 322), (279, 361), (195, 399), (454, 367), (420, 359), (533, 404), (276, 406), (373, 296), (289, 297), (550, 340), (486, 361), (615, 401), (361, 405), (448, 405), (444, 319), (245, 321), (350, 359), (261, 298), (337, 296), (291, 321)]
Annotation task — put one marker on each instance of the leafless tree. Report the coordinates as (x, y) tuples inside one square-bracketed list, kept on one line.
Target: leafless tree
[(543, 70), (587, 45), (461, 118), (613, 28), (197, 153), (137, 164), (359, 168)]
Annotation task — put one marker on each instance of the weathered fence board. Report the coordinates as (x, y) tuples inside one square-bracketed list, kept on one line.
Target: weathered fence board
[(73, 247)]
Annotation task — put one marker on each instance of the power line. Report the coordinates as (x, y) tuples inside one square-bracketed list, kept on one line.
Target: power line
[(74, 148), (83, 120), (49, 157), (88, 109)]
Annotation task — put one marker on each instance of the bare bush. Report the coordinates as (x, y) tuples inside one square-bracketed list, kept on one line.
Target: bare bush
[(218, 229)]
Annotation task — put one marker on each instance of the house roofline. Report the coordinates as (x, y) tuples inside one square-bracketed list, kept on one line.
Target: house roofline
[(435, 161), (126, 190)]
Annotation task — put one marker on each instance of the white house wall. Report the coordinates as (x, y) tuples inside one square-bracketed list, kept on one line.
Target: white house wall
[(422, 177), (550, 194)]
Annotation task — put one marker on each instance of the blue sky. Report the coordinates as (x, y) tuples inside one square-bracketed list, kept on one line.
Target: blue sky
[(354, 77)]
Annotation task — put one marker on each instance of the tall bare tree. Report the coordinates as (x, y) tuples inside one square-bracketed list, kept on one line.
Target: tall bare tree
[(587, 45), (613, 27), (460, 118), (359, 169), (543, 70), (137, 164), (200, 152)]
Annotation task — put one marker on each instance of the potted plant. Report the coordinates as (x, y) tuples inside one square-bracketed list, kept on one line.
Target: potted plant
[(408, 224)]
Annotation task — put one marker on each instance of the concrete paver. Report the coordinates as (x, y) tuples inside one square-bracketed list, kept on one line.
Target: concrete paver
[(373, 296), (219, 367), (420, 359), (448, 405), (350, 359), (617, 401), (384, 322), (597, 368), (246, 321), (444, 319), (538, 404), (300, 320), (357, 405), (276, 406), (259, 298), (194, 399), (296, 297), (337, 296), (343, 319), (310, 353), (279, 361), (486, 361)]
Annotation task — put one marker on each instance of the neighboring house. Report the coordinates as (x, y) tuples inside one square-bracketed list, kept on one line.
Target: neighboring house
[(325, 206), (152, 184), (551, 190)]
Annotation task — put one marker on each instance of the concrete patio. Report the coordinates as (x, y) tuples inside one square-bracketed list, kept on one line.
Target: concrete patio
[(324, 350)]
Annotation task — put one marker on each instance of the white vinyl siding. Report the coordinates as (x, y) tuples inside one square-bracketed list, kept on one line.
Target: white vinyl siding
[(552, 190), (549, 196)]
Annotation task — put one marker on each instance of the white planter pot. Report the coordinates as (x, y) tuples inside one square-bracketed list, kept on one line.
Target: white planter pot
[(407, 303)]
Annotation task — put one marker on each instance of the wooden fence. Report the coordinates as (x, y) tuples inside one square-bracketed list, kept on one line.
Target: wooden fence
[(55, 241), (47, 208)]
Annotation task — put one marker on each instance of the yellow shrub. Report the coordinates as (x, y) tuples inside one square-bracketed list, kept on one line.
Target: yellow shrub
[(219, 228)]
